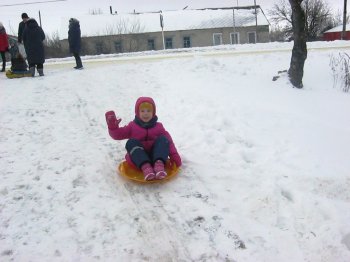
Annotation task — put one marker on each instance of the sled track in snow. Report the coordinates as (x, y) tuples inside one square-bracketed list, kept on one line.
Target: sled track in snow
[(154, 224), (136, 57)]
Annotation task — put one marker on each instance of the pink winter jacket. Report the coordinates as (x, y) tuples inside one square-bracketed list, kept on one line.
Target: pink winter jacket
[(146, 136)]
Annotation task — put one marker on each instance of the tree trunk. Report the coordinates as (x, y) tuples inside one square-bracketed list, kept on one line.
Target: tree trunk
[(299, 54)]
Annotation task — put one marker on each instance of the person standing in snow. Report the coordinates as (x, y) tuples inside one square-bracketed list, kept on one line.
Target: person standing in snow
[(33, 37), (4, 45), (21, 26), (149, 145), (74, 40)]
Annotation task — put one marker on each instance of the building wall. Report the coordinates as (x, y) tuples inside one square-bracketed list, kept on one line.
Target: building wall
[(335, 36), (139, 42)]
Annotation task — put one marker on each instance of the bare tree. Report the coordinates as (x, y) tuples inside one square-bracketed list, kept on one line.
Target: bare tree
[(281, 15), (317, 17), (338, 18), (281, 12), (341, 71), (317, 13), (124, 26), (277, 34), (129, 28), (299, 53), (53, 47), (95, 11)]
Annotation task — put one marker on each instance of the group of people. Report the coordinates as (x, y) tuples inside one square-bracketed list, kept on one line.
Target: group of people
[(31, 35)]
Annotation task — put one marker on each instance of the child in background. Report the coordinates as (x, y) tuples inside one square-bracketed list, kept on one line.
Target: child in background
[(18, 63), (149, 145)]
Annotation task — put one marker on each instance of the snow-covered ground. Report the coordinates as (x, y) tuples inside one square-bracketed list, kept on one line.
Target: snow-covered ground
[(266, 167)]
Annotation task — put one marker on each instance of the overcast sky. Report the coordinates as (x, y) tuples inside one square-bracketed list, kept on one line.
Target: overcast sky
[(51, 12)]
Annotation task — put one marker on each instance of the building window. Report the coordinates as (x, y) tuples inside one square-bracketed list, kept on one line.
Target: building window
[(234, 38), (151, 45), (118, 46), (168, 43), (217, 39), (187, 41), (251, 37)]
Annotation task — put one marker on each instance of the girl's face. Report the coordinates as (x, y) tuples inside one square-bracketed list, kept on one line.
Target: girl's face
[(145, 114)]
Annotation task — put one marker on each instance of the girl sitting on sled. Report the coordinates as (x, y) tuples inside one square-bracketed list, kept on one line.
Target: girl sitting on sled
[(149, 145)]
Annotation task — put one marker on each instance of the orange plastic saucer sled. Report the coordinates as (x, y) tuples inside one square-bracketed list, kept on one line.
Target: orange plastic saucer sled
[(134, 174)]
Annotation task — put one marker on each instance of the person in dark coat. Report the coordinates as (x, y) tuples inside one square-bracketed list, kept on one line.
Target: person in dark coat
[(74, 39), (4, 45), (33, 37), (21, 27)]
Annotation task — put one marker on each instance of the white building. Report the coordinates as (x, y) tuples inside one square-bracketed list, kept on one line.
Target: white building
[(183, 28)]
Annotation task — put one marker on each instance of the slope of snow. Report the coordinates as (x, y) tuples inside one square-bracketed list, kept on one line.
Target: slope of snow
[(265, 175)]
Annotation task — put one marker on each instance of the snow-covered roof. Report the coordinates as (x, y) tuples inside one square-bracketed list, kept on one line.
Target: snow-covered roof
[(338, 29), (98, 25)]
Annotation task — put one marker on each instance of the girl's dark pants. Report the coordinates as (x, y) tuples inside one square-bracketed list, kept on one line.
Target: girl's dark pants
[(139, 156)]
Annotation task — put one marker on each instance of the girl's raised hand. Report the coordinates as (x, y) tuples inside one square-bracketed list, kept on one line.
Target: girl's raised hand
[(112, 121)]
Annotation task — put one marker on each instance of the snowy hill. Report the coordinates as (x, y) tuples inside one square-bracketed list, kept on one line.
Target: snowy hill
[(265, 175)]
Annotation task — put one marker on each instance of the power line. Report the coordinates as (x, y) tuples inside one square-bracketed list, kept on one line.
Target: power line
[(32, 3)]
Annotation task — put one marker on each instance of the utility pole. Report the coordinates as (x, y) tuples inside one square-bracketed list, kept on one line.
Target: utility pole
[(234, 20), (162, 26), (343, 33), (40, 18), (256, 23)]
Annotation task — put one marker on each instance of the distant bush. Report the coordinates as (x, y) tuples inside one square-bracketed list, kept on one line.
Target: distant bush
[(53, 48), (341, 73), (96, 11)]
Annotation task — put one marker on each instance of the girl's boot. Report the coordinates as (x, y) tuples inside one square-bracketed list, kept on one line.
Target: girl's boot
[(148, 172), (41, 71), (159, 169)]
